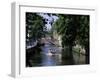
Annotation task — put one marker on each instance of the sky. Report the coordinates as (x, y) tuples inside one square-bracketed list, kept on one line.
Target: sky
[(49, 19)]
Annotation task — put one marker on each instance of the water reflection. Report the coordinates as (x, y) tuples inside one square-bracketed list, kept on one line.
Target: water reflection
[(51, 55), (49, 58)]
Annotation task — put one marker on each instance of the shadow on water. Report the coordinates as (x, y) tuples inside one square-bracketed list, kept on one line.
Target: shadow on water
[(40, 56), (33, 56), (66, 58)]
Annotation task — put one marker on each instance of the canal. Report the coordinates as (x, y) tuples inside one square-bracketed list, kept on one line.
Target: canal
[(51, 55)]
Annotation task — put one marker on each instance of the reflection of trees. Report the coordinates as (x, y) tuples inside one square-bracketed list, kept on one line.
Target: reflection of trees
[(33, 56), (74, 29)]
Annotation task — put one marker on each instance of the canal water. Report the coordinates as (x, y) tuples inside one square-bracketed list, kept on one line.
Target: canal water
[(52, 55)]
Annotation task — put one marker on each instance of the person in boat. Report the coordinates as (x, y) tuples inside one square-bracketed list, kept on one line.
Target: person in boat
[(49, 52), (53, 51)]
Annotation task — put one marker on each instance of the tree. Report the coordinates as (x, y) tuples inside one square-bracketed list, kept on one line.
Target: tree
[(83, 35), (67, 27), (74, 28), (34, 26)]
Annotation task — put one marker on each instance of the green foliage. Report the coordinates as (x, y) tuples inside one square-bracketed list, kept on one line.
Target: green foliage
[(73, 28), (34, 23), (83, 31)]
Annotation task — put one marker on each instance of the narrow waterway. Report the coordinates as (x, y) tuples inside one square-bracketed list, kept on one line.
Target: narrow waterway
[(50, 55)]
